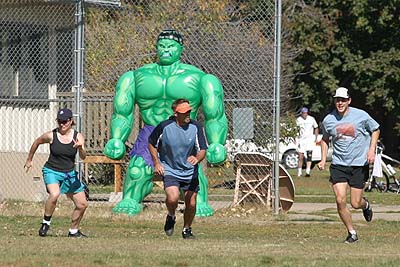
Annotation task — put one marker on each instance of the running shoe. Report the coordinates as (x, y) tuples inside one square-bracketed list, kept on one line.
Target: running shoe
[(351, 238), (78, 234), (44, 229), (368, 212), (187, 233), (169, 225)]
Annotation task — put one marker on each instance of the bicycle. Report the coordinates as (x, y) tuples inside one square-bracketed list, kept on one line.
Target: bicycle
[(388, 182)]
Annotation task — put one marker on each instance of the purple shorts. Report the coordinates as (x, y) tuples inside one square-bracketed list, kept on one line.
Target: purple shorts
[(140, 147)]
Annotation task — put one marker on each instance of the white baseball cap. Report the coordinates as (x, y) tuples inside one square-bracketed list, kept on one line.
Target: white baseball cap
[(342, 92)]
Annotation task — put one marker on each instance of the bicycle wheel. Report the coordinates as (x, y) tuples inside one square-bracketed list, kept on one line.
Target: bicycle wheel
[(380, 184), (394, 186)]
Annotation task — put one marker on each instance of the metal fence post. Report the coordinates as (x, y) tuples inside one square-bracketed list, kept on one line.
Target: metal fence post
[(79, 46), (277, 77)]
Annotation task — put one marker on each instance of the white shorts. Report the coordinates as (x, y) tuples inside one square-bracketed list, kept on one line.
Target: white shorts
[(306, 144)]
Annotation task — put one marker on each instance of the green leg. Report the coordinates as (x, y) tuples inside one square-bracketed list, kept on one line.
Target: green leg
[(137, 185), (203, 209)]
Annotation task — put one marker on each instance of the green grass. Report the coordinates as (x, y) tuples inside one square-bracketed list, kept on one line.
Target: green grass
[(314, 189), (240, 236), (230, 238), (317, 189)]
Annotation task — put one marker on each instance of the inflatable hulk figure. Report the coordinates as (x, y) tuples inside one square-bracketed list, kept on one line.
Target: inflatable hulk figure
[(153, 87)]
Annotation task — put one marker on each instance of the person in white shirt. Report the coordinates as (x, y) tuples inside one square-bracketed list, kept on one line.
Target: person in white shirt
[(308, 133)]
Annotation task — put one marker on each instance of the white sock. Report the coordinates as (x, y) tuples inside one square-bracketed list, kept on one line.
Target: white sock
[(73, 231), (353, 232), (46, 222), (308, 171)]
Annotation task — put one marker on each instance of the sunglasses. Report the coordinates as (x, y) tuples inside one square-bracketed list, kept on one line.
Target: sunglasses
[(63, 121), (341, 99), (188, 112)]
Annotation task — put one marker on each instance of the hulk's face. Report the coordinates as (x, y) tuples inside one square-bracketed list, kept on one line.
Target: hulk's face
[(169, 51)]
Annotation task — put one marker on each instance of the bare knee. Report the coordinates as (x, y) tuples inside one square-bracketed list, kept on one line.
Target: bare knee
[(341, 202), (356, 204), (172, 199), (81, 205), (190, 205), (190, 201), (53, 197)]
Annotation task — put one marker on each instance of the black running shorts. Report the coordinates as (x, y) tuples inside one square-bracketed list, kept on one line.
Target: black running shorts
[(355, 176)]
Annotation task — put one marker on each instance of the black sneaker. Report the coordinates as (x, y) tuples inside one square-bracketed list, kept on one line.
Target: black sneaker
[(78, 234), (169, 225), (308, 175), (368, 212), (44, 229), (187, 233), (351, 238)]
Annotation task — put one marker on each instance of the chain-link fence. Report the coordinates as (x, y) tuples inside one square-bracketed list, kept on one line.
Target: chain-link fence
[(36, 64), (233, 40)]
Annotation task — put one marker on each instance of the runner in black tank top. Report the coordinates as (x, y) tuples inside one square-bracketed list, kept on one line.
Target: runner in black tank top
[(58, 172), (62, 156)]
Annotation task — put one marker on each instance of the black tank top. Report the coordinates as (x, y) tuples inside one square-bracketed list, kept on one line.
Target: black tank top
[(62, 156)]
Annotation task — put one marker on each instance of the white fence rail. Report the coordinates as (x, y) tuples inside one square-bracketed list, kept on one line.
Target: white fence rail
[(20, 127)]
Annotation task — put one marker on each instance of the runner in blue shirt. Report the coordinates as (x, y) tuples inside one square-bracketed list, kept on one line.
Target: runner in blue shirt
[(177, 146), (354, 136)]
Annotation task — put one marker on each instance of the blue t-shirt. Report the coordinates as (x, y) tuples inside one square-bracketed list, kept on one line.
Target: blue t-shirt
[(175, 144), (351, 136)]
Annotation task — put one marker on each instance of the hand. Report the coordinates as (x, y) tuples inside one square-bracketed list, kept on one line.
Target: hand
[(321, 165), (216, 153), (193, 160), (371, 156), (77, 143), (159, 169), (28, 165), (115, 149)]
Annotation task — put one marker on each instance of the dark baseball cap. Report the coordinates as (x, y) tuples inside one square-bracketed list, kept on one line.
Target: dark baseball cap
[(64, 114)]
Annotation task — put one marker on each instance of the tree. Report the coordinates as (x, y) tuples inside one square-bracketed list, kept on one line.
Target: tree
[(355, 44), (119, 39)]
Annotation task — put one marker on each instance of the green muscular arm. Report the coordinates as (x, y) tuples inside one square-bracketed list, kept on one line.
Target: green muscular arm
[(216, 124), (123, 116)]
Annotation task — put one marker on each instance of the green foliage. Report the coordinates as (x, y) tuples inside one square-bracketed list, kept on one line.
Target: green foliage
[(121, 39), (289, 127), (346, 43)]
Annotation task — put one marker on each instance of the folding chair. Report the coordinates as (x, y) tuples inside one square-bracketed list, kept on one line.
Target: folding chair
[(254, 181), (253, 178)]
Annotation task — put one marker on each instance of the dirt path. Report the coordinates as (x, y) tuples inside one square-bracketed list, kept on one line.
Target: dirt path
[(320, 211)]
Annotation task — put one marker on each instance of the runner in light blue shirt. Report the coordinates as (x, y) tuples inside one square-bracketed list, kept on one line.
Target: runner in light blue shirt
[(354, 135), (351, 136)]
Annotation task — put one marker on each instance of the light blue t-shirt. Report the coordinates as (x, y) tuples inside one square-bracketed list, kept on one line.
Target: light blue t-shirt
[(175, 144), (351, 136)]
